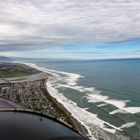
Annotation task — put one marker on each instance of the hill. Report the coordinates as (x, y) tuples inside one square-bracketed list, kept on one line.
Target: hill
[(3, 58)]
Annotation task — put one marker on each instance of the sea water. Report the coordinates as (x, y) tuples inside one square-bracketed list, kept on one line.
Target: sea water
[(104, 95)]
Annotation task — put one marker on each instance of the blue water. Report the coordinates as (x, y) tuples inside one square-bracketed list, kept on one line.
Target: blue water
[(119, 79), (116, 79)]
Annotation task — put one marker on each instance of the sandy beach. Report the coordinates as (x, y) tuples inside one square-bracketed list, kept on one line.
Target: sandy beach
[(94, 127), (77, 125), (70, 120)]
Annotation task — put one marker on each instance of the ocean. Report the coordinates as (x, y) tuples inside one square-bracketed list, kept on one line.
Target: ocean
[(104, 95)]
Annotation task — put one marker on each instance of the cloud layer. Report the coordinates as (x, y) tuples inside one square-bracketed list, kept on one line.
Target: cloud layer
[(33, 24)]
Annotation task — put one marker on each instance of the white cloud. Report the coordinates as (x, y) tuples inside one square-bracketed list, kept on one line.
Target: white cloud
[(35, 23), (9, 54)]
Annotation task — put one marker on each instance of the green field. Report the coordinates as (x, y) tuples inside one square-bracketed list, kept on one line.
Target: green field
[(8, 70), (15, 73)]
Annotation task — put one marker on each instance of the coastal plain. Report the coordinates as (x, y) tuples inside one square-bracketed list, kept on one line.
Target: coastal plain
[(23, 87), (30, 90)]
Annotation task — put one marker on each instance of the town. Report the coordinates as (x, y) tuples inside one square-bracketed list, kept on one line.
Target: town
[(25, 88), (33, 95)]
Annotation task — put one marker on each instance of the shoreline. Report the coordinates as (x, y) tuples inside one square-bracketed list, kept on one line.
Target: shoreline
[(101, 129), (76, 125)]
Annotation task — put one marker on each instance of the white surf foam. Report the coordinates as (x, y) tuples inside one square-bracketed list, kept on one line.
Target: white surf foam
[(106, 99), (77, 88), (132, 110), (118, 111), (70, 78), (86, 118), (128, 125), (94, 95), (100, 105), (125, 110)]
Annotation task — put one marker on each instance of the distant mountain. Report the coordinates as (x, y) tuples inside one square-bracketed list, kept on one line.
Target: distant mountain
[(3, 58)]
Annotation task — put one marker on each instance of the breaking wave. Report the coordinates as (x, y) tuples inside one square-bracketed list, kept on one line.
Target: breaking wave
[(89, 120)]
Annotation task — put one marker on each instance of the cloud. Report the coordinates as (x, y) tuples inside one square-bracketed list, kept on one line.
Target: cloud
[(9, 54), (35, 24)]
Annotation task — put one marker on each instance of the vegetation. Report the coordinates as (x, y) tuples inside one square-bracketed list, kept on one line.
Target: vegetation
[(38, 97), (59, 108), (10, 74), (8, 70)]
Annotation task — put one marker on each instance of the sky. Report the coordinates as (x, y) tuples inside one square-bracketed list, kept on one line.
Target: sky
[(70, 29)]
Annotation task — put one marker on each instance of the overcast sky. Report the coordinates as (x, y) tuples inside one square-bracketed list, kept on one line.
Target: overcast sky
[(70, 28)]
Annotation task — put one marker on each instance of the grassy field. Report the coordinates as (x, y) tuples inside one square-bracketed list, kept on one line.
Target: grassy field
[(8, 70), (15, 73)]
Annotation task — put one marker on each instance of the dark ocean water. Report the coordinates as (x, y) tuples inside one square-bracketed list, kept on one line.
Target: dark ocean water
[(109, 89)]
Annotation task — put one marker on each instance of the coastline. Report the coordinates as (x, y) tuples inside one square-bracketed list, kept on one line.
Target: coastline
[(76, 125), (99, 129)]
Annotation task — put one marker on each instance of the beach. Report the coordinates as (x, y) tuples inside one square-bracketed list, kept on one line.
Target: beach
[(74, 123), (96, 128), (24, 90)]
